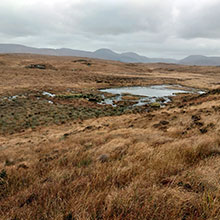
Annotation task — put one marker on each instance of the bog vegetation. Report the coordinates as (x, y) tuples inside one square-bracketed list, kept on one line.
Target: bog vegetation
[(67, 157)]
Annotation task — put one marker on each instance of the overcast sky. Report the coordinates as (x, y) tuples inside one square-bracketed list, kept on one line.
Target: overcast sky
[(154, 28)]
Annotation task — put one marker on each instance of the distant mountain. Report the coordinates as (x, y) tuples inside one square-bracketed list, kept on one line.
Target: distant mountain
[(107, 54), (131, 55), (199, 60), (16, 48), (123, 57), (103, 53)]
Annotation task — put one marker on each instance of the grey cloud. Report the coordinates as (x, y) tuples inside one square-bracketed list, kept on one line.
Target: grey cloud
[(97, 17), (114, 19), (156, 28), (31, 19), (199, 21)]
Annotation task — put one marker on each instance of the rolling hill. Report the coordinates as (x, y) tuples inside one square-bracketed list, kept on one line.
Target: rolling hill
[(107, 54)]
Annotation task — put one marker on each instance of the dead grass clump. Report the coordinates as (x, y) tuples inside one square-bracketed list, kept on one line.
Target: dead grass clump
[(13, 182), (210, 205), (153, 203), (171, 160), (205, 147)]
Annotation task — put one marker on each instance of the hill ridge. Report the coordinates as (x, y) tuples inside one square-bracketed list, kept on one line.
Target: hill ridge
[(108, 54)]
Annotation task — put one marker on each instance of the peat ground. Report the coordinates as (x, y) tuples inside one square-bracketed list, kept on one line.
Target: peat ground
[(67, 157)]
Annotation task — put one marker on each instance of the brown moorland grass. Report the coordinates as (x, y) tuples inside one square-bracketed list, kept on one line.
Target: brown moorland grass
[(157, 164)]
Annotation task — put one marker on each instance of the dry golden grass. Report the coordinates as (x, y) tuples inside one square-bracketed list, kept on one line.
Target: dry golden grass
[(164, 164)]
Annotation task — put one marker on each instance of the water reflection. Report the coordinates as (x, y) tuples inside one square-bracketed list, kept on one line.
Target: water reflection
[(143, 95)]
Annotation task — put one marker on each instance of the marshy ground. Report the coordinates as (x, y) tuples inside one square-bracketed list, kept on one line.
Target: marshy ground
[(67, 157)]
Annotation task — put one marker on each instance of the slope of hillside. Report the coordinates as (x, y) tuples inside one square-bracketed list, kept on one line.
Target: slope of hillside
[(63, 156)]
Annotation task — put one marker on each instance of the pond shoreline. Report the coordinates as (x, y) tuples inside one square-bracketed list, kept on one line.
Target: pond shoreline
[(142, 95)]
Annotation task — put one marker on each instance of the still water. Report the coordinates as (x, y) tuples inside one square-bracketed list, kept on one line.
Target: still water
[(146, 94)]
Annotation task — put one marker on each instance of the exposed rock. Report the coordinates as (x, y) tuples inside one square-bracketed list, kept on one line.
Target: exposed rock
[(37, 66), (103, 158), (86, 62), (41, 66), (9, 162)]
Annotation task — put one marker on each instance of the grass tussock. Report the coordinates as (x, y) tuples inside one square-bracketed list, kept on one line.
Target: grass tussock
[(77, 184)]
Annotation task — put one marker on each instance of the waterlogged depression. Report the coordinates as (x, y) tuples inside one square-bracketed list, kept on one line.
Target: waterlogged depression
[(143, 95)]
